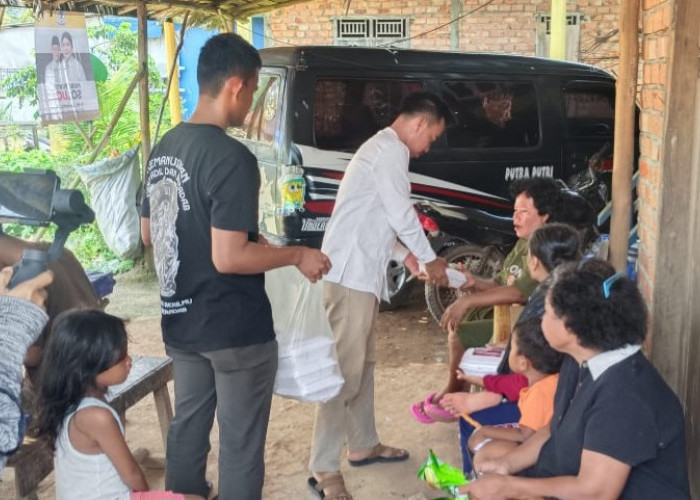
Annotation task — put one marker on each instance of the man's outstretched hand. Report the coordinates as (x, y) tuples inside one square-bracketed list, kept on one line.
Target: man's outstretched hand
[(435, 270)]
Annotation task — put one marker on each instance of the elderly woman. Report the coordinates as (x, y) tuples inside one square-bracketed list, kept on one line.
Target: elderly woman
[(617, 429)]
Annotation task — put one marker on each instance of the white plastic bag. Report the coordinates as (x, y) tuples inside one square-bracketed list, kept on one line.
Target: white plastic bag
[(308, 365), (113, 184)]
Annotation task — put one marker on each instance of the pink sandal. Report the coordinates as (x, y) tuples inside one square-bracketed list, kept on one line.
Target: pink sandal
[(418, 412), (436, 412)]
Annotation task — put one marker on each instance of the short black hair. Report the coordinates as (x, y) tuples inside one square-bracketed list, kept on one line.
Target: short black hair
[(223, 56), (602, 323), (55, 41), (426, 103), (555, 244), (544, 192), (531, 343)]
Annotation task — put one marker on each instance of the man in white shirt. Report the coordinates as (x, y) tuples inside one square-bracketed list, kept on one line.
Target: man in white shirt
[(373, 210)]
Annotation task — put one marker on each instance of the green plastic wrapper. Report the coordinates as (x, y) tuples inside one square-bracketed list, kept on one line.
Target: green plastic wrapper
[(443, 476)]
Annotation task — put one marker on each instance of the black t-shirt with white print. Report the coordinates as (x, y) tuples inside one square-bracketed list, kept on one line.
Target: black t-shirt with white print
[(197, 178)]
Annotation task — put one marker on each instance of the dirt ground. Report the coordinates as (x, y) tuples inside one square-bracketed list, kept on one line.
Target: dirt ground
[(411, 361)]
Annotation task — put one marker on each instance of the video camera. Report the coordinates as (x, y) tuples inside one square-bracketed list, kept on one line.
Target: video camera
[(35, 198)]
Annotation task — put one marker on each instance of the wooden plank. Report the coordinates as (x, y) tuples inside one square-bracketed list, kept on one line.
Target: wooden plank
[(675, 346)]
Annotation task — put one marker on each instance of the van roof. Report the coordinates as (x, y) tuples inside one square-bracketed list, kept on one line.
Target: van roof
[(422, 61)]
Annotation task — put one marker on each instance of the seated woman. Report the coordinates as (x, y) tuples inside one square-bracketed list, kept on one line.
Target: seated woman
[(617, 429)]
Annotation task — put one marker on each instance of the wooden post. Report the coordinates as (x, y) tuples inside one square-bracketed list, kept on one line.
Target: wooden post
[(142, 14), (623, 153), (557, 30)]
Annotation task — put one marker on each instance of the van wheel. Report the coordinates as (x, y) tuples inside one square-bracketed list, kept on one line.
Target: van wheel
[(400, 284), (484, 262)]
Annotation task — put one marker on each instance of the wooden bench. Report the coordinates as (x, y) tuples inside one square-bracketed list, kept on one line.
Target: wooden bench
[(34, 460)]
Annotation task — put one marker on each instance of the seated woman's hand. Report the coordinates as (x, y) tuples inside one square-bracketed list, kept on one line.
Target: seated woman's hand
[(454, 313)]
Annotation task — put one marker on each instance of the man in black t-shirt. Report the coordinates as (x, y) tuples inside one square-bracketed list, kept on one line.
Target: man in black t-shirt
[(200, 213)]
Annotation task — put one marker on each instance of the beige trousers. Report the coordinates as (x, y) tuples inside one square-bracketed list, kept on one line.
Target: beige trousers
[(349, 417)]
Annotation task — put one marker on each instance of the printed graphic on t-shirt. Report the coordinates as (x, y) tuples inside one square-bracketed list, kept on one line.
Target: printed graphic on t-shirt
[(166, 176), (164, 210), (515, 272)]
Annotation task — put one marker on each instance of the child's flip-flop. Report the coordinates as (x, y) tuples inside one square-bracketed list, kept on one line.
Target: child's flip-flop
[(419, 414), (375, 456), (437, 412)]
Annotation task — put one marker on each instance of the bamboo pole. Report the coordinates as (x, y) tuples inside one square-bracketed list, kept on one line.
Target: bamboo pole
[(183, 26), (173, 69), (557, 30), (143, 86), (623, 153), (87, 138)]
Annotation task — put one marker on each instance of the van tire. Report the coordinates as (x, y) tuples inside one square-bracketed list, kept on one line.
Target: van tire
[(483, 262)]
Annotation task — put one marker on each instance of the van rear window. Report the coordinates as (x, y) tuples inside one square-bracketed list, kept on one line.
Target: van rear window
[(349, 111), (590, 111), (492, 114)]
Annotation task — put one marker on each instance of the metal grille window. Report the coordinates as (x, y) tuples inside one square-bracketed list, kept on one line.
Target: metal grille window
[(371, 31)]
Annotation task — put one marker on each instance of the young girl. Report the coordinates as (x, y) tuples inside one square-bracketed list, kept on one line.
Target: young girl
[(86, 353)]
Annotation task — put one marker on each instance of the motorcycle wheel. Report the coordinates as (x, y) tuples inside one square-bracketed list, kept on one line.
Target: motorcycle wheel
[(400, 285), (484, 262)]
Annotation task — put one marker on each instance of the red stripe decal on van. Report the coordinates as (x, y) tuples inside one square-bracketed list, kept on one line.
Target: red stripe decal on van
[(320, 207), (418, 188)]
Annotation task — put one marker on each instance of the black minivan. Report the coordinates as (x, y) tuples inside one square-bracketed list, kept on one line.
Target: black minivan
[(514, 117)]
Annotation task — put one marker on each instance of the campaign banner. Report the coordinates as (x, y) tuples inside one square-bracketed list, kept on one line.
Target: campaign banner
[(65, 83)]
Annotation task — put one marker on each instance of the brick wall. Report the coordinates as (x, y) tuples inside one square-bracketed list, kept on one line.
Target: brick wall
[(506, 26), (656, 26)]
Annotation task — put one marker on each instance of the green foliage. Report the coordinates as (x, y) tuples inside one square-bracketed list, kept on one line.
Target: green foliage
[(17, 15), (22, 85), (117, 47)]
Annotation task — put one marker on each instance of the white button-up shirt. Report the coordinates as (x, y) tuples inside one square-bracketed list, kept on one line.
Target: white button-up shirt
[(372, 209)]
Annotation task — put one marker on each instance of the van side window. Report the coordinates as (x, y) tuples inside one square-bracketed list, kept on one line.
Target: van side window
[(492, 114), (347, 112), (590, 111), (261, 122)]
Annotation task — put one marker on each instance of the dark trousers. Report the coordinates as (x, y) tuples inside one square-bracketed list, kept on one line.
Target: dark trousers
[(236, 383)]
